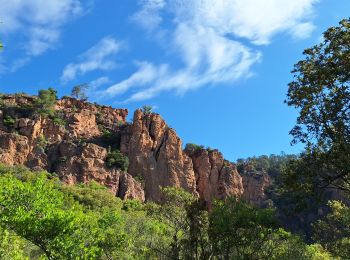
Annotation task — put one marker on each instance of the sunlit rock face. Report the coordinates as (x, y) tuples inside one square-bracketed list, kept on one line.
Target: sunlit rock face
[(76, 149)]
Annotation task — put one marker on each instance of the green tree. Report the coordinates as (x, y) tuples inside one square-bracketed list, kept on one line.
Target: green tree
[(46, 101), (238, 231), (147, 109), (93, 196), (79, 91), (11, 246), (35, 210), (196, 243), (116, 159), (186, 222), (333, 231), (320, 91)]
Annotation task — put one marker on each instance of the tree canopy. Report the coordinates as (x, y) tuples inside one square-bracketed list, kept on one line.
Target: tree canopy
[(321, 93), (79, 91)]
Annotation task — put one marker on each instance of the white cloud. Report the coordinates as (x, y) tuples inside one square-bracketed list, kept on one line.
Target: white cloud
[(36, 23), (99, 82), (149, 16), (145, 74), (207, 36), (255, 20), (98, 57)]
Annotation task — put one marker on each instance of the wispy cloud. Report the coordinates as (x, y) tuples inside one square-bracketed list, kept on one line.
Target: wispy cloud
[(99, 82), (148, 16), (36, 24), (211, 38), (98, 57)]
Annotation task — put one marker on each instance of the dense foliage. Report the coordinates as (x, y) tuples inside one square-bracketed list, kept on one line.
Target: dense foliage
[(46, 101), (147, 110), (41, 218), (118, 160), (320, 91)]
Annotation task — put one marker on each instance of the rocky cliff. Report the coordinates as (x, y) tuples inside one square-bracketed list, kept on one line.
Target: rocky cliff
[(77, 141)]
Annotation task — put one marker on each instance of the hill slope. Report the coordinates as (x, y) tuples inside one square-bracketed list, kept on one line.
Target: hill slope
[(80, 142)]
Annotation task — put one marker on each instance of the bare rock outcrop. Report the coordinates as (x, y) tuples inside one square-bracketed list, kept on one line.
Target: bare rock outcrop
[(215, 177), (155, 154), (14, 148), (74, 144), (77, 163), (68, 149), (255, 183)]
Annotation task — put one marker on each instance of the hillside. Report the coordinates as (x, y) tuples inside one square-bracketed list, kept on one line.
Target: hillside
[(98, 156), (80, 142)]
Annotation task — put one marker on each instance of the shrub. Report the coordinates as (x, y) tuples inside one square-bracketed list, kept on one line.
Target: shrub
[(79, 91), (147, 110), (9, 121), (194, 147), (93, 196), (41, 142), (116, 159), (46, 101), (110, 138)]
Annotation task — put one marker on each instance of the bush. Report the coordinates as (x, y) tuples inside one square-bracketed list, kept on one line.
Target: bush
[(93, 196), (46, 101), (110, 138), (147, 110), (116, 159), (9, 121), (41, 142), (79, 92), (193, 147)]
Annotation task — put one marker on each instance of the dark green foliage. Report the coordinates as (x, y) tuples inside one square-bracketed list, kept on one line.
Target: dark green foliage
[(45, 103), (58, 118), (110, 138), (41, 142), (9, 121), (333, 231), (193, 147), (321, 93), (49, 220), (272, 164), (147, 110), (239, 231), (118, 160), (79, 91)]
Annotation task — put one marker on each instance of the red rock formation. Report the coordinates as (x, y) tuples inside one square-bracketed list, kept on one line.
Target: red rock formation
[(39, 143), (77, 151), (255, 184), (155, 154), (215, 177)]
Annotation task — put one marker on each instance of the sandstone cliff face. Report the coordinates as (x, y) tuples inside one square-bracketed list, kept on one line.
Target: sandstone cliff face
[(69, 149), (155, 154), (77, 151), (215, 177), (255, 184)]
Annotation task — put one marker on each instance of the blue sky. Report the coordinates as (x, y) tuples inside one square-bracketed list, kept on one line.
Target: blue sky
[(216, 70)]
